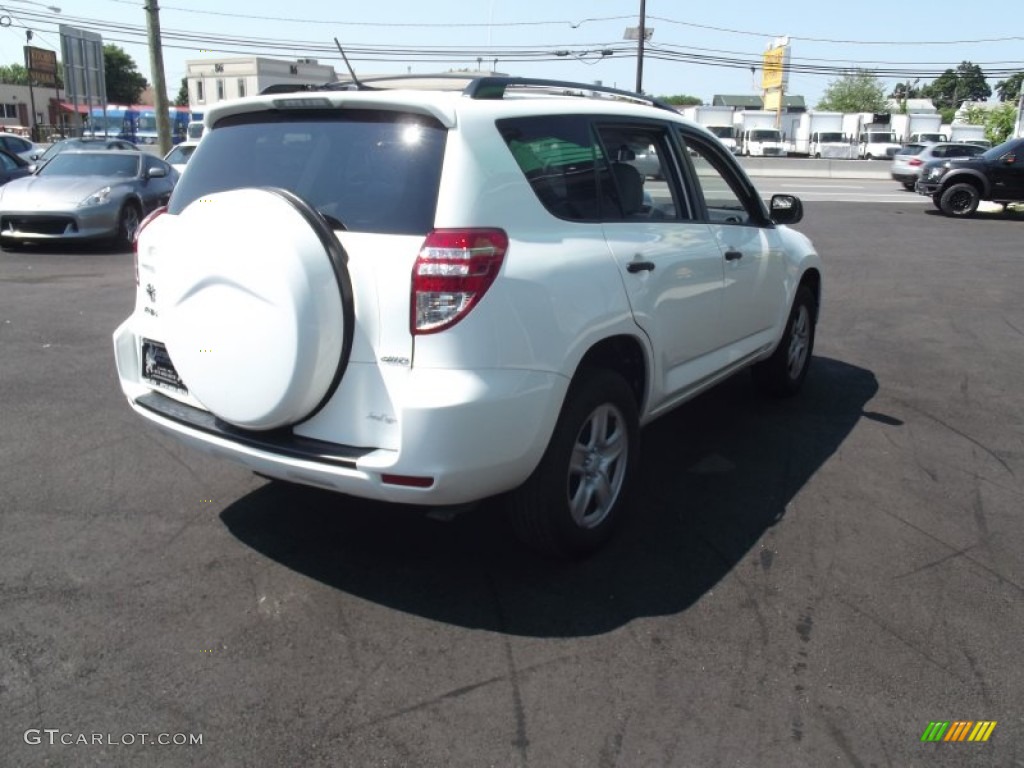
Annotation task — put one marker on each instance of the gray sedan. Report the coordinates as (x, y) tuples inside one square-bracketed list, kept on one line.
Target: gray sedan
[(97, 195)]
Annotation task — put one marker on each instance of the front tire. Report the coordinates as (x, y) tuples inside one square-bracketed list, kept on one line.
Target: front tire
[(784, 372), (128, 225), (960, 200), (576, 495)]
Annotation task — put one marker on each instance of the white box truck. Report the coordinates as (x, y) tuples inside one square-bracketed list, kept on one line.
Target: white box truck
[(918, 128), (968, 134), (719, 120), (758, 136), (875, 137), (818, 134)]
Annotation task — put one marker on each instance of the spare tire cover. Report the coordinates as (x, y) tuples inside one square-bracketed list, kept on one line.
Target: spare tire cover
[(253, 307)]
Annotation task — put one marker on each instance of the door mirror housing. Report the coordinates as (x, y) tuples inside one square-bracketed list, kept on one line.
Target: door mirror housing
[(786, 209)]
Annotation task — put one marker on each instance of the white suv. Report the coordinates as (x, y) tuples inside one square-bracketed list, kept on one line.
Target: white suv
[(438, 296)]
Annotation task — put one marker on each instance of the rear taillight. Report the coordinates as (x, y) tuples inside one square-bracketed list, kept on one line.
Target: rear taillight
[(453, 271), (914, 161), (135, 243)]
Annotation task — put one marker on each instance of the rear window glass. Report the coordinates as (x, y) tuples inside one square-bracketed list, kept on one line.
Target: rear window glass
[(368, 170)]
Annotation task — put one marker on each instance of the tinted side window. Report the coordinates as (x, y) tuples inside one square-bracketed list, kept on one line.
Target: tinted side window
[(371, 171), (557, 155)]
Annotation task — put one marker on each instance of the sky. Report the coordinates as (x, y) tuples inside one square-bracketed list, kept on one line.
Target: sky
[(697, 49)]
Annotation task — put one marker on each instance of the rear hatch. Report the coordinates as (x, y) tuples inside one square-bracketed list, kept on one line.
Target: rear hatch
[(236, 270)]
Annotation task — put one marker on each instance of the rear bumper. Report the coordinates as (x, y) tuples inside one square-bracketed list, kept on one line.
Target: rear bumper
[(462, 435)]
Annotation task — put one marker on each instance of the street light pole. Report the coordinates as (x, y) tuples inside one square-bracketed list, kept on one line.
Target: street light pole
[(640, 48)]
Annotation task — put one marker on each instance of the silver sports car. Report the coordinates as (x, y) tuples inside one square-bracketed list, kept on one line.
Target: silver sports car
[(93, 195)]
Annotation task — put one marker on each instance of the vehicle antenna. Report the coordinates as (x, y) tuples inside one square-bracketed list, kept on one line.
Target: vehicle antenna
[(355, 78)]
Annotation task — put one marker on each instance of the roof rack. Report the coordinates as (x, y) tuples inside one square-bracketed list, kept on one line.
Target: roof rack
[(494, 87), (486, 87)]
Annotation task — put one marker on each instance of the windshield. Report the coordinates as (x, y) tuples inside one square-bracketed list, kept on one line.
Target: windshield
[(881, 138), (92, 164), (764, 134), (830, 138), (723, 131), (367, 170), (180, 155)]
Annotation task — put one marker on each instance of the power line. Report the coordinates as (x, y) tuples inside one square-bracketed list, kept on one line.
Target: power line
[(189, 40)]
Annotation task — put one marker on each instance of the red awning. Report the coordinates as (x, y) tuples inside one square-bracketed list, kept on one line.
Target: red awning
[(67, 106)]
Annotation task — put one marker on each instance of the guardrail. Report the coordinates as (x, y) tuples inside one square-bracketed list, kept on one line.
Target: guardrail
[(810, 168)]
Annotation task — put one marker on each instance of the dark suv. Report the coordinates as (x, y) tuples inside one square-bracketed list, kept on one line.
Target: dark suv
[(958, 186)]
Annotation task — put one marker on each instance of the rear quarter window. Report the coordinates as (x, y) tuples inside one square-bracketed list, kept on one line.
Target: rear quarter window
[(368, 170)]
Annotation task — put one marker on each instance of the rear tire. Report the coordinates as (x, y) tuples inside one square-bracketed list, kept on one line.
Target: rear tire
[(782, 374), (576, 495), (960, 200), (909, 185)]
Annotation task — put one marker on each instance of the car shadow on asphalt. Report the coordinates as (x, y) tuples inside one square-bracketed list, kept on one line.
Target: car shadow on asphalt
[(715, 475)]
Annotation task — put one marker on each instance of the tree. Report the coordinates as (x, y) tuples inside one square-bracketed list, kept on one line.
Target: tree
[(681, 100), (125, 83), (182, 98), (955, 86), (1009, 89), (857, 91), (13, 74)]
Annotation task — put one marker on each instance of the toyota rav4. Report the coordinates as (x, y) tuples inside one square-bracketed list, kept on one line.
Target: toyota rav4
[(437, 295)]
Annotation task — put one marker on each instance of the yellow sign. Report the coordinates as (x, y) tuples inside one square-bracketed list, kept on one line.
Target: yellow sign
[(773, 100), (774, 70)]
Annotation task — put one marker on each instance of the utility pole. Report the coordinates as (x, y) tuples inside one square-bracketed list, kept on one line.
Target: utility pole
[(640, 47), (33, 132), (156, 64)]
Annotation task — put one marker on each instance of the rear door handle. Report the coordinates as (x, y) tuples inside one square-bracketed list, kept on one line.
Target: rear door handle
[(733, 255), (640, 266)]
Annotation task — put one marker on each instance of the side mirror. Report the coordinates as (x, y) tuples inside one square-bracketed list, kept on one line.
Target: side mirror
[(156, 173), (786, 209)]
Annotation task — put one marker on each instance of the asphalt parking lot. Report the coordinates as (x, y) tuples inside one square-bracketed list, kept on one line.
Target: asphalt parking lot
[(801, 583)]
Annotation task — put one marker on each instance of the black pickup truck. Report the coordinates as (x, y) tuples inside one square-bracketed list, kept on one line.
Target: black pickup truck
[(958, 186)]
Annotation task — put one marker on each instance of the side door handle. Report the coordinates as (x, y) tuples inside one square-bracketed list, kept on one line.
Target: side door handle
[(640, 266), (733, 255)]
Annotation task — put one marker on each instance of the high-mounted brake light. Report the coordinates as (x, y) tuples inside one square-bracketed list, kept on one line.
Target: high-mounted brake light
[(135, 242), (453, 271)]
